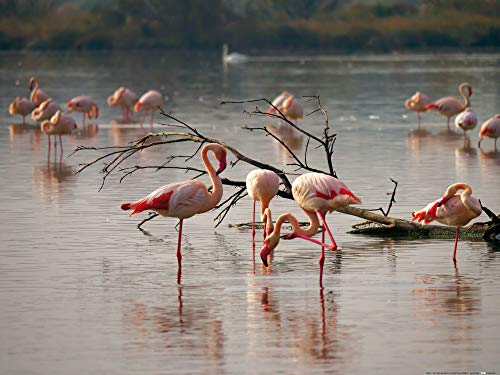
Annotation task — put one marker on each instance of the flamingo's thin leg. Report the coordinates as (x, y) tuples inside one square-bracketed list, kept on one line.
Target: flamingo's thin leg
[(253, 223), (455, 248), (179, 255), (152, 116), (325, 226), (418, 114)]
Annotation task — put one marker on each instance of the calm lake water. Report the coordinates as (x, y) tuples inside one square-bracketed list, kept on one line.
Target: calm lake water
[(83, 291)]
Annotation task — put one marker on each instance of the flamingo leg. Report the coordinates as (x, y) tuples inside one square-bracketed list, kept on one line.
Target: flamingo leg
[(455, 248), (48, 158), (152, 116), (418, 114), (496, 144), (322, 244), (253, 223), (60, 144), (448, 124), (179, 255), (143, 118), (24, 120), (321, 263), (83, 121), (325, 226)]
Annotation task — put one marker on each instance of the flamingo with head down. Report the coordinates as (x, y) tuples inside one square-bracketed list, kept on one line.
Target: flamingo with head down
[(467, 120), (21, 106), (37, 95), (183, 200), (151, 100), (84, 104), (126, 99), (490, 129), (452, 209), (417, 104), (450, 105), (288, 105)]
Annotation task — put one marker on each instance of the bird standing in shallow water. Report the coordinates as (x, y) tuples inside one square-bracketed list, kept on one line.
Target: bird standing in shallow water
[(262, 185), (45, 111), (126, 99), (417, 104), (289, 106), (490, 129), (467, 120), (450, 105), (58, 125), (452, 209), (84, 104), (37, 96), (21, 106), (151, 100), (185, 199)]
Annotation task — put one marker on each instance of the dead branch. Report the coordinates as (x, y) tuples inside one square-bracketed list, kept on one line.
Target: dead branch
[(392, 200)]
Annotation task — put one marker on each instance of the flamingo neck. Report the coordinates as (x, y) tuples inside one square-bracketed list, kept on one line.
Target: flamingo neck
[(465, 95), (451, 191), (216, 194)]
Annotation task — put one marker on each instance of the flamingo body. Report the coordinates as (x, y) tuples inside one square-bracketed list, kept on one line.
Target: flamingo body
[(21, 106), (84, 104), (467, 120), (490, 129), (150, 100), (452, 209), (417, 103), (450, 105), (125, 98), (60, 124), (45, 111), (288, 105), (37, 95)]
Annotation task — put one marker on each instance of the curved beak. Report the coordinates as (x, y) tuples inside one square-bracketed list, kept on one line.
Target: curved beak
[(222, 165), (264, 253)]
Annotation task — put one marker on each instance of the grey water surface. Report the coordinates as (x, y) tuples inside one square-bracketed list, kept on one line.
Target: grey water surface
[(83, 291)]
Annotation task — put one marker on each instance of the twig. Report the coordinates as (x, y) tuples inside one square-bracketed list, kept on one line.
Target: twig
[(151, 216), (393, 200)]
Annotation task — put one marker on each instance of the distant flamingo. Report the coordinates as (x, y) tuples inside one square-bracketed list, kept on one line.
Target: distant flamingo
[(450, 105), (151, 100), (125, 98), (185, 199), (417, 104), (37, 96), (453, 209), (262, 185), (232, 58), (21, 106), (467, 120), (289, 106), (490, 129), (84, 104), (60, 124), (45, 110)]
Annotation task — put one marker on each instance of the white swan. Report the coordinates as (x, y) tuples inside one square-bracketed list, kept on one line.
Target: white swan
[(232, 58)]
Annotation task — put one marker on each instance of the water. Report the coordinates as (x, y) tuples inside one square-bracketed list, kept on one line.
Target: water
[(83, 291)]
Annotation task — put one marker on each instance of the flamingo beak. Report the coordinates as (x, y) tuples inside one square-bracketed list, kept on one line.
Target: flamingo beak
[(264, 253), (222, 165)]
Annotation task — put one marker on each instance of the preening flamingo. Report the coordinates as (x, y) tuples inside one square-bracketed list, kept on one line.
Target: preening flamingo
[(262, 185), (185, 199), (21, 106), (150, 100), (450, 105), (126, 99), (452, 209), (45, 110), (289, 106), (37, 96), (490, 129), (59, 124), (417, 104), (467, 120), (84, 104)]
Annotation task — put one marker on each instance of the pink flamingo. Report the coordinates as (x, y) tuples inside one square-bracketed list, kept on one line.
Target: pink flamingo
[(450, 105), (59, 124), (21, 106), (466, 120), (125, 98), (417, 104), (452, 209), (150, 100), (45, 110), (262, 185), (490, 129), (37, 96), (84, 104), (289, 106), (185, 199)]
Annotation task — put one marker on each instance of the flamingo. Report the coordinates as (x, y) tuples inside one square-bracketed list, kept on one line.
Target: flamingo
[(150, 100), (288, 105), (262, 185), (450, 105), (125, 98), (37, 95), (45, 110), (490, 129), (467, 120), (21, 106), (232, 58), (185, 199), (84, 104), (452, 209), (417, 104), (59, 124)]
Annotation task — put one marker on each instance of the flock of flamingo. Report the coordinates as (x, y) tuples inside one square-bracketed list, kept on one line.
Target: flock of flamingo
[(315, 193)]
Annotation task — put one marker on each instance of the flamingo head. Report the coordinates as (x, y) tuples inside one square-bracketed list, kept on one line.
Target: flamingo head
[(32, 83), (138, 106), (220, 155), (270, 243)]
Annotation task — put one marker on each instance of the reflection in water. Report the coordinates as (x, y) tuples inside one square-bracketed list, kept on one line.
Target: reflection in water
[(19, 131), (89, 131), (289, 136), (52, 176), (417, 139), (489, 158)]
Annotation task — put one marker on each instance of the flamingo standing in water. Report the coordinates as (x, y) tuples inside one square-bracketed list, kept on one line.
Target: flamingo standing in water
[(21, 106), (452, 209), (84, 104), (317, 193), (151, 100), (467, 120), (450, 105), (289, 106), (490, 129), (37, 95), (125, 98), (45, 111), (60, 124), (185, 199), (417, 104), (262, 185)]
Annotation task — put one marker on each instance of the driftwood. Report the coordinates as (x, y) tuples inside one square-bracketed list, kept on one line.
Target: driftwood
[(115, 157)]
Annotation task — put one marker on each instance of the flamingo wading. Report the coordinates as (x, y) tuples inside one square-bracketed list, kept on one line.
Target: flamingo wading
[(417, 104), (84, 104), (450, 105), (126, 99), (21, 106), (185, 199), (490, 129), (150, 100), (37, 96)]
